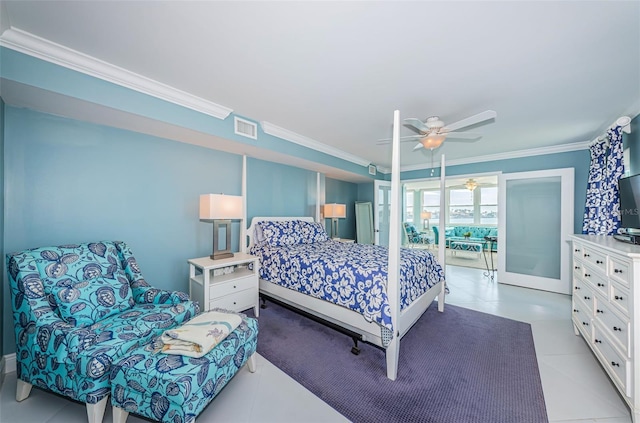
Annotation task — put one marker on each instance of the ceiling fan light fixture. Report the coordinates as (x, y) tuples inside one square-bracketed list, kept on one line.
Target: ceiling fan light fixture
[(471, 184), (432, 141)]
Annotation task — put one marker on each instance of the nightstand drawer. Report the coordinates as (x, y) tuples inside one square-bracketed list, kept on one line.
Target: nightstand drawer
[(237, 301), (229, 287)]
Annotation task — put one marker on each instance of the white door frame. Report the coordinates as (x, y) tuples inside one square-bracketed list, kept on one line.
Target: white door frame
[(376, 211), (562, 285)]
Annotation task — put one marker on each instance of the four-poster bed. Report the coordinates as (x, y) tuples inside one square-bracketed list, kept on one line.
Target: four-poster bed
[(291, 277)]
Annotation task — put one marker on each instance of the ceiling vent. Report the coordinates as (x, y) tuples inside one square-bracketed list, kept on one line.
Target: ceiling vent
[(372, 170), (246, 128)]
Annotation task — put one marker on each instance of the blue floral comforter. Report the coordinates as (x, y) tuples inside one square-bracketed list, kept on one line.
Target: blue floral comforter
[(350, 275)]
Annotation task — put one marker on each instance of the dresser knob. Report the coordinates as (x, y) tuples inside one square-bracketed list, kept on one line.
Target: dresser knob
[(600, 284), (587, 275), (617, 271), (586, 255), (575, 310), (599, 262), (576, 250), (613, 363), (576, 267), (615, 328), (577, 287), (587, 298), (599, 311), (597, 341), (234, 287), (585, 323)]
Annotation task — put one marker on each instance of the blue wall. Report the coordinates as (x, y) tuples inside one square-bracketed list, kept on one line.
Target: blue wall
[(68, 181), (343, 193), (2, 352)]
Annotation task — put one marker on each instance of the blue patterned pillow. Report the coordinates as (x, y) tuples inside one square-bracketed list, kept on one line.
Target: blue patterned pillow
[(311, 232), (281, 233), (84, 303)]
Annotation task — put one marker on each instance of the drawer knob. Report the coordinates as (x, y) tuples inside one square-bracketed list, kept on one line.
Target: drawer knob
[(587, 298), (600, 284), (597, 341), (585, 323), (576, 267), (599, 311), (617, 271), (234, 287), (615, 328), (586, 255), (599, 262), (575, 310), (618, 297), (576, 250), (577, 287), (613, 363), (587, 275)]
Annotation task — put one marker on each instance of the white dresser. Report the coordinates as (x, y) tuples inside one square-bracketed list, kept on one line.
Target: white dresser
[(605, 272)]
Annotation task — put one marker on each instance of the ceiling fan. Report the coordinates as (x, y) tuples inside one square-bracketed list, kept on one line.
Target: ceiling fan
[(433, 131)]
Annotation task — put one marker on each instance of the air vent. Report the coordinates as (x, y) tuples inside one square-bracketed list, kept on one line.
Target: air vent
[(246, 128), (372, 170)]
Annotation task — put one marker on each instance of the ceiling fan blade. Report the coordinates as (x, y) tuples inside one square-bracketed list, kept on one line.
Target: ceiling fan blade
[(472, 120), (463, 135), (417, 124), (418, 147), (402, 139)]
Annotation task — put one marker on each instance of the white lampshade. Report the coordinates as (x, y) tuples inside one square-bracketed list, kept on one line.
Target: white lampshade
[(220, 207), (432, 141), (425, 215), (334, 211)]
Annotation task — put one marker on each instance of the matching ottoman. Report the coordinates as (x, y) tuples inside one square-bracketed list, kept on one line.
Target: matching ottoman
[(176, 388), (475, 247)]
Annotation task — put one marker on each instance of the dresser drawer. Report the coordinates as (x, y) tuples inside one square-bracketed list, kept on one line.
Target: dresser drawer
[(615, 364), (583, 292), (597, 281), (618, 328), (620, 270), (577, 250), (238, 301), (235, 285), (620, 298), (582, 315), (596, 259)]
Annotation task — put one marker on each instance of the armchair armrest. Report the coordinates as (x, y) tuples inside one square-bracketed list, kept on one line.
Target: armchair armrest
[(150, 295)]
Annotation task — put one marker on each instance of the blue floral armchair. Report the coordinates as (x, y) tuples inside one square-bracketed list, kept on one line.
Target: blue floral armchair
[(79, 308), (414, 237)]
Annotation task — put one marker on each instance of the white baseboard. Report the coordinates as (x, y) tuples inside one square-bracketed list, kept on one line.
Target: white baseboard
[(10, 363)]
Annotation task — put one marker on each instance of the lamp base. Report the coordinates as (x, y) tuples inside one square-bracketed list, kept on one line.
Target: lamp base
[(220, 256)]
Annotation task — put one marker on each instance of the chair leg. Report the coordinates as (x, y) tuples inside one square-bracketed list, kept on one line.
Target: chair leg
[(23, 389), (119, 415), (251, 363), (95, 412)]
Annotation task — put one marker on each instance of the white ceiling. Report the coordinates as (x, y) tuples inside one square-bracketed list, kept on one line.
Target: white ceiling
[(556, 72)]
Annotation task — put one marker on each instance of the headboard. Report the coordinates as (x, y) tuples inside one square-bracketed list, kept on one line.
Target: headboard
[(255, 220)]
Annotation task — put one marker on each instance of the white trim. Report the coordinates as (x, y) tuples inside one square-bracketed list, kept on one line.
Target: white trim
[(285, 134), (10, 363), (32, 45), (541, 151)]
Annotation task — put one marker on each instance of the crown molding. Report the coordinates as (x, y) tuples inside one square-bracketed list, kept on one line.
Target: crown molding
[(285, 134), (541, 151), (32, 45)]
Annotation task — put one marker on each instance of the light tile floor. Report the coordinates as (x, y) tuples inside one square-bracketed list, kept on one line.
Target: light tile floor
[(576, 388)]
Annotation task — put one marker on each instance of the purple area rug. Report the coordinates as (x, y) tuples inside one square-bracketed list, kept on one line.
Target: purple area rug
[(460, 366)]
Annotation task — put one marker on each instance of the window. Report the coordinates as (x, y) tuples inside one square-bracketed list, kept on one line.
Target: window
[(431, 203), (461, 206), (408, 201), (488, 205)]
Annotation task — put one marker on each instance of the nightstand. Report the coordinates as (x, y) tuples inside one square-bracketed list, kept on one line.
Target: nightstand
[(230, 283)]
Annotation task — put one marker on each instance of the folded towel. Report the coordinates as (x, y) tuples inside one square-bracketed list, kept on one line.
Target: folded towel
[(199, 335)]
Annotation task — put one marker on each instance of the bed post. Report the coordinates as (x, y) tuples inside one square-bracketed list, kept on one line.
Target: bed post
[(243, 223), (393, 276), (441, 235)]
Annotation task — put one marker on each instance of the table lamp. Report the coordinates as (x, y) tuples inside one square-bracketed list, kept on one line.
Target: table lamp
[(425, 215), (221, 209), (334, 212)]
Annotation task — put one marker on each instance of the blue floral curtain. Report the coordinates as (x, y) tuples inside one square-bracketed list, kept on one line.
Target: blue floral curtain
[(602, 209)]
